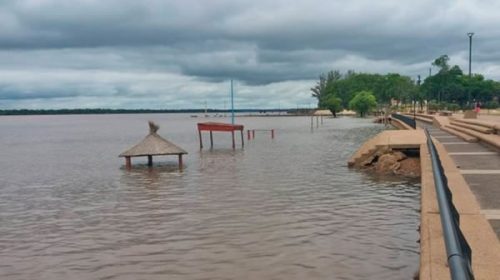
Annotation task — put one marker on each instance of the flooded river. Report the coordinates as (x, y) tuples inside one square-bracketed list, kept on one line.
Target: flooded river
[(287, 208)]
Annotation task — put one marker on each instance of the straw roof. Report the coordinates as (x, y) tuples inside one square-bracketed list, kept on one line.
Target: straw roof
[(347, 113), (323, 113), (152, 145)]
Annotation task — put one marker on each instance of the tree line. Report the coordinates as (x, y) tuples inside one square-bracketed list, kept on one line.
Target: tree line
[(14, 112), (449, 89)]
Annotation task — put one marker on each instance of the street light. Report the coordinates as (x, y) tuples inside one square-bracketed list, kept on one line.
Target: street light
[(415, 99), (470, 34)]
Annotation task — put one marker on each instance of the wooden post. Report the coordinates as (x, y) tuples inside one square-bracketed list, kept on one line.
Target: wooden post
[(201, 140), (180, 162), (150, 161), (232, 134), (211, 140), (242, 139), (312, 122), (128, 163), (317, 121), (272, 133), (253, 133), (248, 134)]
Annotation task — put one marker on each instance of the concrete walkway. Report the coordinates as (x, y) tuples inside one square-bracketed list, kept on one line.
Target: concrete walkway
[(480, 167), (477, 222)]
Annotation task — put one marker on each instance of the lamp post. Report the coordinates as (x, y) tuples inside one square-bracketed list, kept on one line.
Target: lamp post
[(470, 34), (415, 99)]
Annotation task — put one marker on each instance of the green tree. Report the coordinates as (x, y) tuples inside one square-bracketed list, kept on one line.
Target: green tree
[(334, 104), (323, 87), (363, 102), (446, 86), (442, 63), (398, 87), (319, 90), (344, 86), (450, 85), (491, 104)]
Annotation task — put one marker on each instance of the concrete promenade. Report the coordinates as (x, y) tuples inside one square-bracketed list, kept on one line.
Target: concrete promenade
[(472, 168), (480, 167), (471, 162), (473, 222), (478, 161)]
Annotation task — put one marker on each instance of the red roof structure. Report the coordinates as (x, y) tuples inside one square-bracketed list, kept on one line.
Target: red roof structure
[(215, 126)]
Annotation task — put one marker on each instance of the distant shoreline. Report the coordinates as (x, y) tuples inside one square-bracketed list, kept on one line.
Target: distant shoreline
[(28, 112)]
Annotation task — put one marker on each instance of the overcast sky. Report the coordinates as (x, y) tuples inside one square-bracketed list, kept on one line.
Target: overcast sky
[(179, 54)]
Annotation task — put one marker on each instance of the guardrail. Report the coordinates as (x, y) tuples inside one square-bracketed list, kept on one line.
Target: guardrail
[(457, 249), (407, 120)]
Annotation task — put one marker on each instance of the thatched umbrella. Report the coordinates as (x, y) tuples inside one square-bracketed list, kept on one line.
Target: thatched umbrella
[(323, 113), (153, 145)]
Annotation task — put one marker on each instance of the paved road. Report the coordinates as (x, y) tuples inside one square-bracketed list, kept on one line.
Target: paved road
[(480, 167)]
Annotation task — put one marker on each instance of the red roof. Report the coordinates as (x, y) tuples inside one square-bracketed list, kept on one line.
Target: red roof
[(215, 126)]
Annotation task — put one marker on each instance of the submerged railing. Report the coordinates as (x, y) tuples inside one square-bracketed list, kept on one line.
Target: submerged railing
[(457, 249), (407, 120)]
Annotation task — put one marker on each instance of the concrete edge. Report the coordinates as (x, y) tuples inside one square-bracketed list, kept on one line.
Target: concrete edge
[(399, 124), (465, 137), (482, 123), (433, 260)]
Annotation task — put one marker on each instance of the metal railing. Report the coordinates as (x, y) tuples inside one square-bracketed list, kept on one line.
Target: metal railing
[(407, 120), (457, 249)]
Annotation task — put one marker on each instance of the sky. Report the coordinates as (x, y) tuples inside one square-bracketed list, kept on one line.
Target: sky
[(180, 54)]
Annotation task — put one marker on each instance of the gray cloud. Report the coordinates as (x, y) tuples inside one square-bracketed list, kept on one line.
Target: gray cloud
[(131, 53)]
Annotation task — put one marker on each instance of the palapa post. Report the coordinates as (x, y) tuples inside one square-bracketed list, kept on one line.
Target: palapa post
[(152, 145), (128, 162), (180, 162)]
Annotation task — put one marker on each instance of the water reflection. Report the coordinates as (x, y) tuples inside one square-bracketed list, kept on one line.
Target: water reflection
[(142, 175)]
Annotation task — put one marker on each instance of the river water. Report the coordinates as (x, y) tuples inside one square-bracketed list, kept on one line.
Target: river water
[(287, 208)]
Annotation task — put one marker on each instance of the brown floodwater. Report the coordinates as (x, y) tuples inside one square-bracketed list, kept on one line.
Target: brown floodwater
[(287, 208)]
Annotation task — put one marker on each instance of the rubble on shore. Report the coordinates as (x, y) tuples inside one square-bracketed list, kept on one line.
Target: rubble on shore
[(392, 162)]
